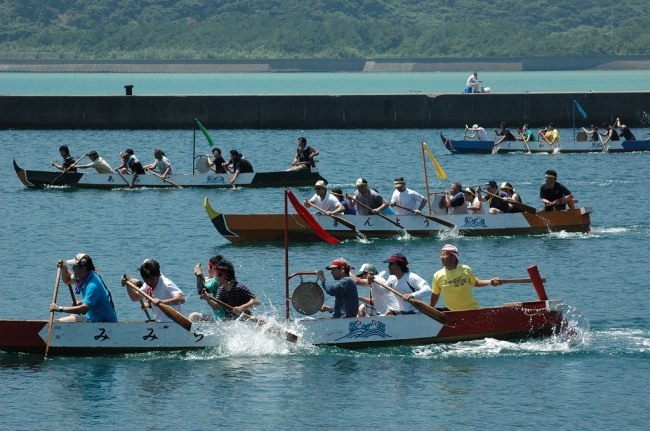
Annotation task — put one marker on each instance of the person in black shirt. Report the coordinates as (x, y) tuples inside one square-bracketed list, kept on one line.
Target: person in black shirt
[(218, 164), (304, 156), (231, 291), (239, 165), (627, 133), (505, 133), (553, 194), (68, 160), (610, 133)]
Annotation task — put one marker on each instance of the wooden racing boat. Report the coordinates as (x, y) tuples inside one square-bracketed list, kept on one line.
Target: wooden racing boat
[(270, 227), (472, 146), (93, 180)]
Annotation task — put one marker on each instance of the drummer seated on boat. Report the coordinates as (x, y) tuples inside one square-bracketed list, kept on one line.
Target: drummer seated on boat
[(162, 289), (455, 282), (304, 156), (97, 303), (100, 165), (408, 284), (592, 133), (323, 200), (68, 160), (161, 165), (379, 299), (344, 291)]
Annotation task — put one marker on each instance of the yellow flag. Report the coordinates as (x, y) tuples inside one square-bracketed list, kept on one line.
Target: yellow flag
[(441, 174)]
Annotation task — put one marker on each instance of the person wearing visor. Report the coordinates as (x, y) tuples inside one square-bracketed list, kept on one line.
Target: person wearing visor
[(368, 197), (323, 200), (455, 282), (209, 285), (406, 197), (97, 303), (474, 204), (100, 165), (497, 206), (410, 285), (161, 288), (338, 194), (512, 196), (380, 299), (344, 290), (553, 194)]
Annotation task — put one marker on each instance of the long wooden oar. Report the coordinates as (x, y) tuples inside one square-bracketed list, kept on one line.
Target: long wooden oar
[(56, 293), (605, 150), (74, 300), (519, 280), (521, 206), (523, 138), (436, 315), (122, 176), (370, 209), (430, 217), (341, 220), (144, 308), (165, 179), (169, 311), (67, 169), (289, 336), (543, 135)]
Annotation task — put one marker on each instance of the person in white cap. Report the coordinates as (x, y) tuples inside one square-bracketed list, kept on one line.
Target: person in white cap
[(406, 197), (380, 299), (482, 136), (455, 282), (323, 200), (368, 197)]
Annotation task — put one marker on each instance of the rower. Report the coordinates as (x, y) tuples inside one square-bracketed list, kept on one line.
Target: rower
[(161, 165), (68, 160), (407, 198), (323, 200), (100, 165)]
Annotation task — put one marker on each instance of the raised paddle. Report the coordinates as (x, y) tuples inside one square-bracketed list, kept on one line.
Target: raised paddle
[(67, 169), (289, 336), (165, 179), (341, 220), (56, 292), (436, 315), (370, 209), (430, 217), (521, 206), (169, 311)]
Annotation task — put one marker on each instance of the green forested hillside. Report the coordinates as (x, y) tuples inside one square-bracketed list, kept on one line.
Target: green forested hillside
[(204, 29)]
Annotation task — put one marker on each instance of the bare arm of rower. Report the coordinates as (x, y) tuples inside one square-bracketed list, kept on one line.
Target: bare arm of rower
[(250, 304), (434, 299)]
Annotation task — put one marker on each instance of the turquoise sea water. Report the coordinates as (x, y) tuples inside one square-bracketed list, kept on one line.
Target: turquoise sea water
[(594, 380)]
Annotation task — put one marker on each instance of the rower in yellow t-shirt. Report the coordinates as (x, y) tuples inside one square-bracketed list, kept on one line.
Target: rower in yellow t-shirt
[(455, 282)]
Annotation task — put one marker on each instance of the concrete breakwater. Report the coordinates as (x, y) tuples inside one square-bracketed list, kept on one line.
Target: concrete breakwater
[(392, 111)]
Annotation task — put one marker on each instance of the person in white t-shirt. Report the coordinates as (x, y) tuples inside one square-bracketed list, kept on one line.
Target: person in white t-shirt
[(480, 132), (407, 198), (474, 204), (473, 82), (161, 165), (380, 299), (410, 285), (161, 288), (323, 200)]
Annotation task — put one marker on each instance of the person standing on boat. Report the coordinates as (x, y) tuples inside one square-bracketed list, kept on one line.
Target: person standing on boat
[(505, 133), (407, 198), (593, 133), (610, 134), (550, 134), (130, 165), (368, 197), (239, 164), (455, 282), (380, 299), (497, 206), (473, 83), (161, 288), (455, 199), (97, 303), (474, 204), (480, 132), (344, 291), (323, 200), (338, 194), (304, 156), (401, 279), (217, 165), (553, 194), (68, 160), (100, 165), (625, 132), (161, 165)]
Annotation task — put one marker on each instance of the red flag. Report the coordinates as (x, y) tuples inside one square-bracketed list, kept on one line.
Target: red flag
[(310, 220)]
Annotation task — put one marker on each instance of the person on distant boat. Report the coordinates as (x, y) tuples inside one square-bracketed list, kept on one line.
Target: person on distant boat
[(550, 134), (409, 285), (161, 165), (455, 282), (505, 134), (217, 165), (368, 197), (304, 156), (512, 197), (338, 194), (323, 200), (473, 83), (610, 134), (100, 165), (239, 165), (525, 134), (625, 131), (553, 194), (68, 160), (379, 299), (344, 291), (159, 287), (480, 132), (407, 198), (130, 165), (592, 133), (497, 206), (455, 199), (97, 303), (474, 204), (230, 291)]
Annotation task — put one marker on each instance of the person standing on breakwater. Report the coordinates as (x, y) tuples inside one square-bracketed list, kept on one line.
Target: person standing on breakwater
[(304, 156), (100, 165), (68, 160)]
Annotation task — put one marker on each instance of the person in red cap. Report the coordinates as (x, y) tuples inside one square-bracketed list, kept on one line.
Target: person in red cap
[(410, 285), (455, 282), (344, 291)]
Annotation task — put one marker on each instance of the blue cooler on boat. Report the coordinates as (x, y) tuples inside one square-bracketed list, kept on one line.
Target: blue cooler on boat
[(467, 90)]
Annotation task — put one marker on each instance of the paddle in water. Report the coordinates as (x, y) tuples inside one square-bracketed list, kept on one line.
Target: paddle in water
[(56, 293)]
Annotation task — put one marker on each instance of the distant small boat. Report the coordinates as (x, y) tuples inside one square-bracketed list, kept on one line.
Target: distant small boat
[(471, 146)]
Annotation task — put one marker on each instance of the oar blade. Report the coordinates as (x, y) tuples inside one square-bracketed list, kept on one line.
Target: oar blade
[(436, 315), (176, 316)]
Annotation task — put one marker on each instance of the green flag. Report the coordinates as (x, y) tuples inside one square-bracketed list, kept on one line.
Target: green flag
[(205, 132)]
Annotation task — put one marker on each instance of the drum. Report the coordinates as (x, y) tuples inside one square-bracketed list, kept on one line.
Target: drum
[(307, 298), (581, 137), (202, 165)]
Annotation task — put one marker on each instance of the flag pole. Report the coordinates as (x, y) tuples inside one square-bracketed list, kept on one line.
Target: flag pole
[(426, 177), (194, 148), (286, 252)]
